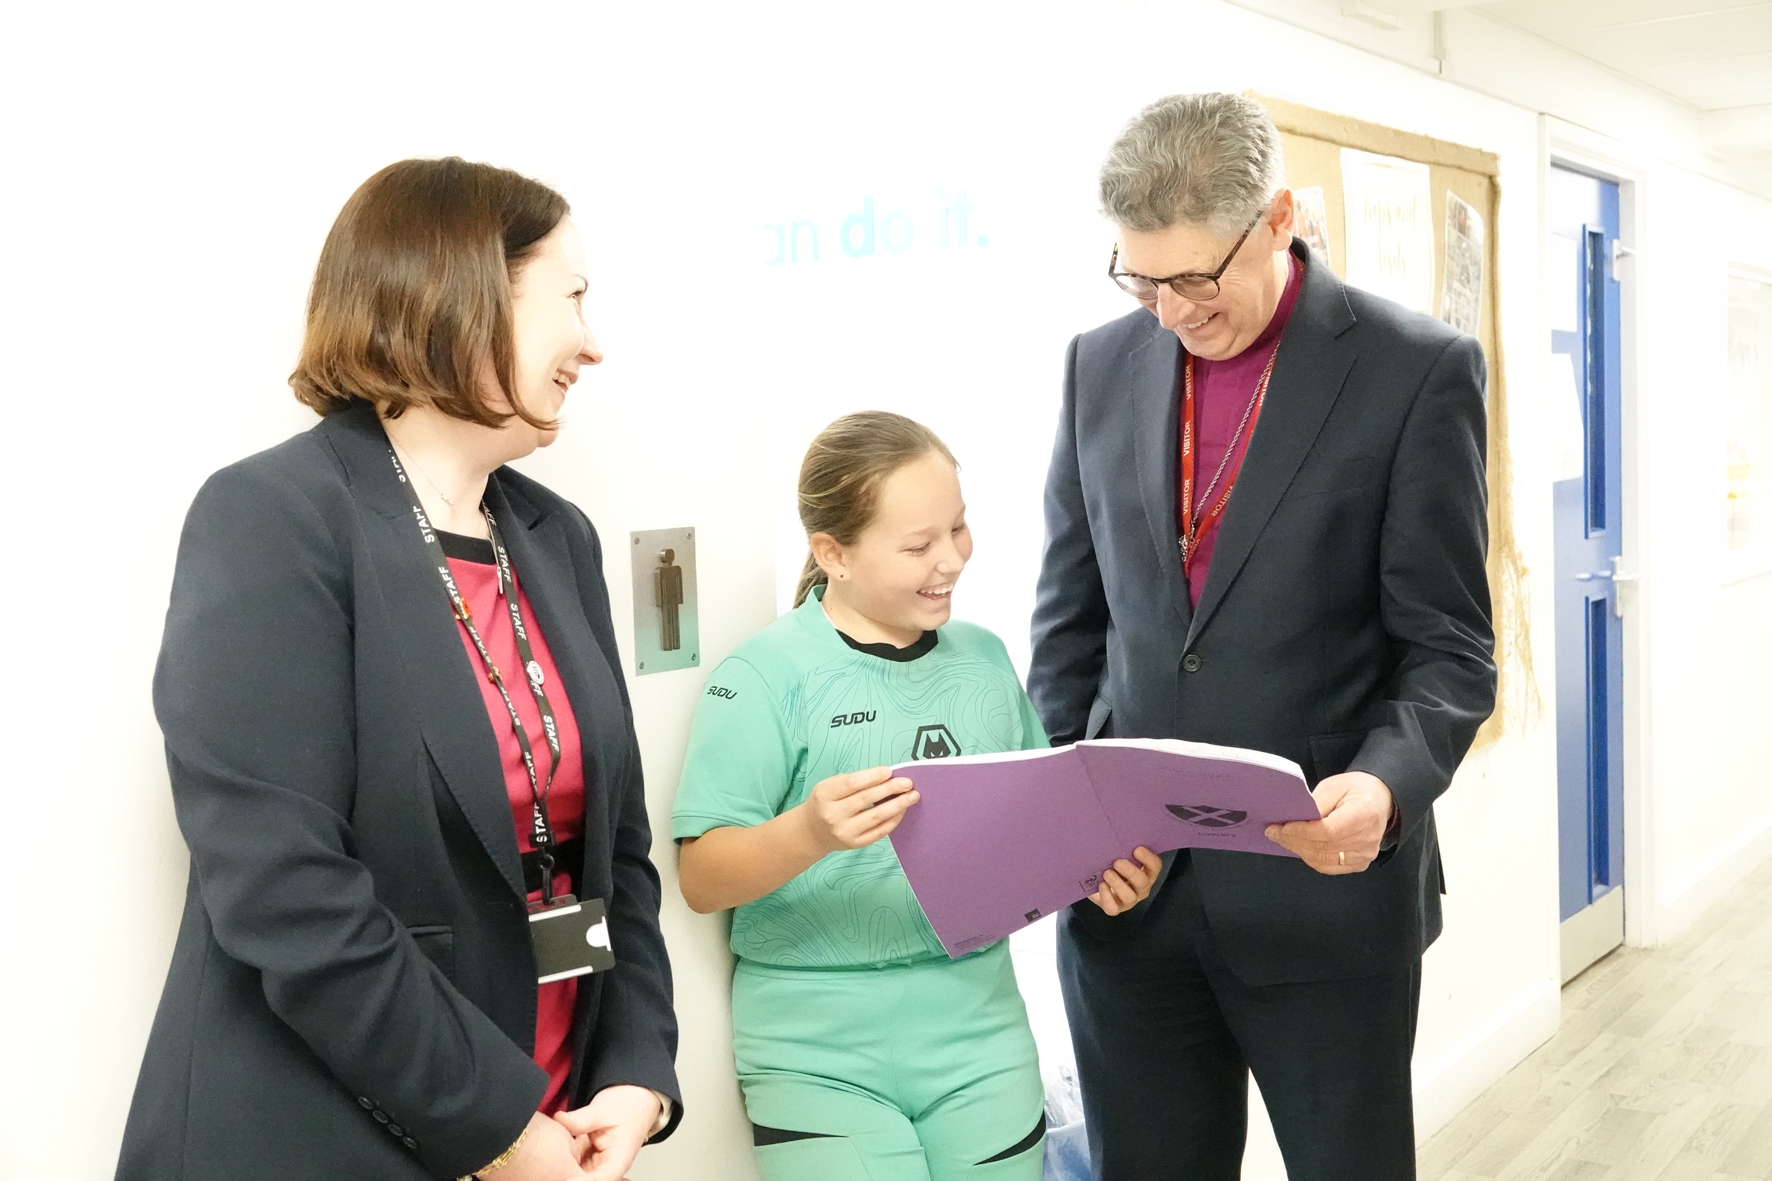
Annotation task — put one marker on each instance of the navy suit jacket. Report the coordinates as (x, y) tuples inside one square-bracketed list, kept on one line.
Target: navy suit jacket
[(352, 992), (1345, 621)]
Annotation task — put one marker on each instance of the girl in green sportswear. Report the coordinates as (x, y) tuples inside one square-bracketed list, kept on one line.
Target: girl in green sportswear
[(865, 1053)]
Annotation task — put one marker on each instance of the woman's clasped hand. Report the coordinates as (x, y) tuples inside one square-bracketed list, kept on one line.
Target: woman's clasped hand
[(599, 1140)]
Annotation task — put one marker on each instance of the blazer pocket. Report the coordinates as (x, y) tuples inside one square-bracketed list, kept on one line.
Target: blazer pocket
[(438, 944), (1336, 475), (1100, 716), (1331, 753)]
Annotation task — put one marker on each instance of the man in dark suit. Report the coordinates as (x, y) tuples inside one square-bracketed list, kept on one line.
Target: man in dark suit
[(1266, 528)]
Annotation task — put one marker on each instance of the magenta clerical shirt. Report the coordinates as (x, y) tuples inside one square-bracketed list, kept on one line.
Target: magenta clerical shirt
[(1221, 393)]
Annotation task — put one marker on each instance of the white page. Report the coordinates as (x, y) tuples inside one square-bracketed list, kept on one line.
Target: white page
[(1205, 750), (1390, 231)]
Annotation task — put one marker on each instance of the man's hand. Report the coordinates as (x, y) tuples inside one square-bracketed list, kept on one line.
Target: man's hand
[(1356, 810), (1124, 885), (611, 1129)]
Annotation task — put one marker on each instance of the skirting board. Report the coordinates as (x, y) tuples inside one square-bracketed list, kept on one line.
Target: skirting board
[(1683, 904), (1446, 1087)]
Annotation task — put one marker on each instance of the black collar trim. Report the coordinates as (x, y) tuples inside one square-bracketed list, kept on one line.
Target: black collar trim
[(463, 548), (923, 645)]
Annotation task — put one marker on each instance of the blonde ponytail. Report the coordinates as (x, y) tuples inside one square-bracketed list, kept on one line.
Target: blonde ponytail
[(813, 575)]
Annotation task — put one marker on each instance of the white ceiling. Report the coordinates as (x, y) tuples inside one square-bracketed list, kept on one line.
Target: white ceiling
[(1713, 54)]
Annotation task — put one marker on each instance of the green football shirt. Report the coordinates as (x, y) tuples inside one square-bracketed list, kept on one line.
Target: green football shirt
[(796, 704)]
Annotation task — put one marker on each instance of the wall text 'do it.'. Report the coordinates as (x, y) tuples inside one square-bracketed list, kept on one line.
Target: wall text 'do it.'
[(871, 228)]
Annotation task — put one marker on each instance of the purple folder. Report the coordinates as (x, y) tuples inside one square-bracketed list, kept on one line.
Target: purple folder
[(998, 841)]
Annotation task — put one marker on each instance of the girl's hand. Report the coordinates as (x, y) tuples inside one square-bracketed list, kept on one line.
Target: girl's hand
[(1125, 885), (732, 865), (856, 809)]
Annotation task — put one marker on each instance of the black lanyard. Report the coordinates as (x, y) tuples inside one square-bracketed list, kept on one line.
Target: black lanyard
[(543, 832)]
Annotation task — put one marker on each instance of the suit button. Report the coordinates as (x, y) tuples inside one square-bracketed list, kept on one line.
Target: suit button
[(410, 1142), (1191, 662), (396, 1130), (366, 1103), (381, 1117)]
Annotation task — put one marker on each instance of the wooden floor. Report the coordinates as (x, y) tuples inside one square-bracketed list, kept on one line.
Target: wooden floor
[(1661, 1070)]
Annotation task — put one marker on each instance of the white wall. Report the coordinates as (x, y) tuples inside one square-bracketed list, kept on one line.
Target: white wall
[(1706, 695), (173, 170)]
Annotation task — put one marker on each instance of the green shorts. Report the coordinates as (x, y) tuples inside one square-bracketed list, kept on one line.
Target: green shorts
[(920, 1072)]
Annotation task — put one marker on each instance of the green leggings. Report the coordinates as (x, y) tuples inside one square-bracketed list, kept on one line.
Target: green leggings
[(919, 1072)]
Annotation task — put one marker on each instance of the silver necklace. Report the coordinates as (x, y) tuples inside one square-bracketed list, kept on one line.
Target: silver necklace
[(1230, 450), (447, 499), (1248, 410)]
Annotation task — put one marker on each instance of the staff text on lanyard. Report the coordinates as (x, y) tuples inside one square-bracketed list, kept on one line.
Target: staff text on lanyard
[(543, 831)]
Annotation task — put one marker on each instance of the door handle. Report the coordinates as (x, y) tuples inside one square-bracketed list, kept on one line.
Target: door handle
[(1620, 578), (1589, 576)]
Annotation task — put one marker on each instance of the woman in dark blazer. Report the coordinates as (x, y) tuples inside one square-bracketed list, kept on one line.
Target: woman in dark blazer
[(353, 993)]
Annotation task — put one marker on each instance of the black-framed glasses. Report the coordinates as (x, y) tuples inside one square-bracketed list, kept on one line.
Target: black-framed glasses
[(1190, 285)]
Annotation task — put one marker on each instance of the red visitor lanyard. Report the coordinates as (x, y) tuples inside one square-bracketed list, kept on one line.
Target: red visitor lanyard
[(1192, 528)]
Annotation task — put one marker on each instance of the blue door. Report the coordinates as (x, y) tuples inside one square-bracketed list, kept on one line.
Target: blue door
[(1589, 541)]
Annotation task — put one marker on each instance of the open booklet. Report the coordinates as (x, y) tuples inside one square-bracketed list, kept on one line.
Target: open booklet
[(998, 841)]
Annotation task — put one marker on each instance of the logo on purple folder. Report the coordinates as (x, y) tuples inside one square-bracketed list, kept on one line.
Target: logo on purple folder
[(1206, 817)]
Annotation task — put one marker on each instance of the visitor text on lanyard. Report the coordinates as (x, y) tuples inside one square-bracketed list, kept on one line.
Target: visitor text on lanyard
[(1192, 528)]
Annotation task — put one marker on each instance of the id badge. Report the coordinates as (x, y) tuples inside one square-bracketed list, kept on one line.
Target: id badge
[(570, 938)]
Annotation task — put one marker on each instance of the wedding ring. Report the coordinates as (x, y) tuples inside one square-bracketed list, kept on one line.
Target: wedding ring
[(1341, 857)]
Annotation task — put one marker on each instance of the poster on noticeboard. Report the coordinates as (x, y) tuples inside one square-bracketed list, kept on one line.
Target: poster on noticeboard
[(1461, 285)]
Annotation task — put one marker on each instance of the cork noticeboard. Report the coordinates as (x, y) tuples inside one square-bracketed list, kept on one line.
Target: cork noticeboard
[(1313, 141)]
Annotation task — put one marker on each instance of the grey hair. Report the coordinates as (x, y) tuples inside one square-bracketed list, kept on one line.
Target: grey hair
[(1205, 159)]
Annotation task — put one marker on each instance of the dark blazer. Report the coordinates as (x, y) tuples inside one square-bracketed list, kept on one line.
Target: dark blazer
[(352, 993), (1345, 620)]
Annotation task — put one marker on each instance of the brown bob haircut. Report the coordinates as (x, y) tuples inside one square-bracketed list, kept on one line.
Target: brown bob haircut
[(412, 297)]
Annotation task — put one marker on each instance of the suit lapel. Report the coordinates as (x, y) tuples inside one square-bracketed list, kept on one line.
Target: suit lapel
[(542, 561), (1151, 374), (443, 682), (1312, 366)]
